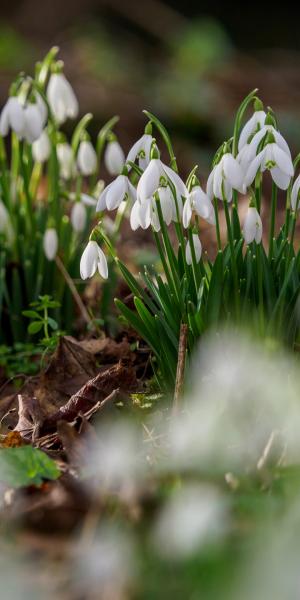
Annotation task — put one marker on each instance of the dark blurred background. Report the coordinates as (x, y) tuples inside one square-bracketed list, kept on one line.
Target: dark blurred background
[(190, 63)]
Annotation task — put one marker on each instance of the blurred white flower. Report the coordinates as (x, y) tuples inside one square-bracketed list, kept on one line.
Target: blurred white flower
[(78, 217), (156, 176), (61, 98), (113, 195), (252, 226), (114, 158), (141, 150), (278, 162), (66, 160), (86, 158), (199, 202), (88, 200), (197, 247), (225, 176), (255, 122), (93, 258), (194, 517), (25, 119), (50, 243), (295, 204), (41, 148), (5, 223)]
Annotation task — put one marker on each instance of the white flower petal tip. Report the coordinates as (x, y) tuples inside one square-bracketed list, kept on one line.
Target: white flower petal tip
[(295, 200), (114, 158), (86, 158), (115, 193), (141, 151), (252, 230), (41, 148), (78, 217), (277, 161), (226, 176), (26, 120), (61, 98), (93, 258), (201, 204), (50, 243), (197, 248), (257, 121)]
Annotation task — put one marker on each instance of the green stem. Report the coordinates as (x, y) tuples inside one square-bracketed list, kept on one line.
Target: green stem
[(272, 222), (217, 224)]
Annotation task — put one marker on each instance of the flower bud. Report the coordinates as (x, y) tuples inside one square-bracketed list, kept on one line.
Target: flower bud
[(78, 217), (114, 158), (50, 243)]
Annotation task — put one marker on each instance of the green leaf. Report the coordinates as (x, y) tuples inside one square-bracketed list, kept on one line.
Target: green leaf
[(35, 326), (26, 466), (53, 324), (31, 314), (215, 291)]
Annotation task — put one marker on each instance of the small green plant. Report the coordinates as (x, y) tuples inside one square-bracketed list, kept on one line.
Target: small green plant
[(42, 322)]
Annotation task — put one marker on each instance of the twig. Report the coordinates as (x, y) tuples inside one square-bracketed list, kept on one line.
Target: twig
[(180, 365), (73, 290)]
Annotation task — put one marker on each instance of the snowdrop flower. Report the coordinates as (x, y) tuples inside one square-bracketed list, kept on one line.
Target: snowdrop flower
[(61, 98), (78, 217), (295, 194), (26, 120), (50, 243), (249, 151), (225, 176), (41, 148), (65, 159), (252, 226), (93, 258), (114, 158), (141, 150), (154, 175), (199, 202), (255, 123), (279, 163), (198, 250), (88, 200), (86, 158), (145, 213), (118, 190)]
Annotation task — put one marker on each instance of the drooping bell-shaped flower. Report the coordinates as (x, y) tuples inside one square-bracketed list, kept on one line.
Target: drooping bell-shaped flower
[(254, 124), (50, 243), (114, 157), (145, 213), (157, 174), (225, 176), (61, 98), (249, 151), (66, 160), (278, 162), (198, 250), (86, 158), (78, 217), (201, 204), (295, 198), (118, 190), (26, 119), (141, 151), (93, 258), (252, 226), (41, 148)]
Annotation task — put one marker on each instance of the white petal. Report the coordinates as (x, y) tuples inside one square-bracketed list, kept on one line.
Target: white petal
[(135, 216), (4, 120), (233, 172), (294, 194), (41, 148), (114, 158), (86, 158), (197, 247), (88, 200), (254, 167), (250, 225), (16, 115), (210, 184), (283, 160), (116, 192), (145, 212), (131, 191), (280, 141), (50, 243), (149, 181), (180, 186), (102, 264), (89, 260), (187, 213), (247, 130), (78, 217), (281, 179), (101, 204), (202, 203), (167, 202)]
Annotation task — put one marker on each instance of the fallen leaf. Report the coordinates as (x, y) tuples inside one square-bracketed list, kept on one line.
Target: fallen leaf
[(26, 466)]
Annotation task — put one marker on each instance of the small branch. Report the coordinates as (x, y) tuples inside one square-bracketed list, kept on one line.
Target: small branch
[(180, 366), (73, 290)]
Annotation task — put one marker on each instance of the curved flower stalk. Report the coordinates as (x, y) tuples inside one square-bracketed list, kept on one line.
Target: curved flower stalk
[(61, 96), (113, 195), (225, 177), (253, 125), (114, 157), (198, 202), (274, 159), (252, 226), (86, 158), (93, 258)]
